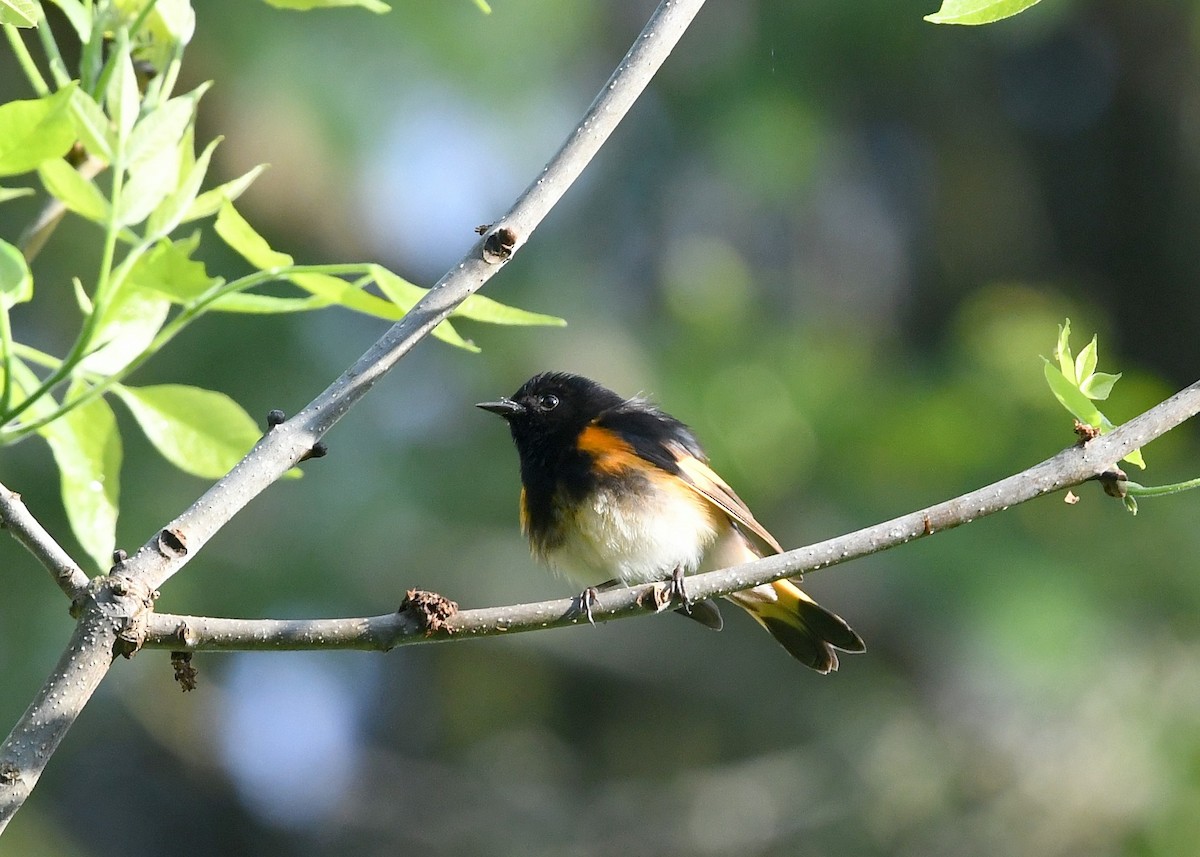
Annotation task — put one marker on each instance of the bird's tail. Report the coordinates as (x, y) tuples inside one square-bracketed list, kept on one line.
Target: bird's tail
[(808, 631)]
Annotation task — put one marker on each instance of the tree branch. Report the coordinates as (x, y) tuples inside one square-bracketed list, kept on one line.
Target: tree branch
[(1068, 468), (286, 444), (109, 625), (26, 529), (110, 620)]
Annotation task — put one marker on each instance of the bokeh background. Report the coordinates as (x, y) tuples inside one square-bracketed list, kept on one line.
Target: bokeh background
[(832, 237)]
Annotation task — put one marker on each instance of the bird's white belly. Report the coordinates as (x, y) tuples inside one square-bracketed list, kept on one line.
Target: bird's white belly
[(643, 537)]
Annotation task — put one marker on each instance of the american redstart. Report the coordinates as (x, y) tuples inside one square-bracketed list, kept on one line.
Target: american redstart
[(615, 491)]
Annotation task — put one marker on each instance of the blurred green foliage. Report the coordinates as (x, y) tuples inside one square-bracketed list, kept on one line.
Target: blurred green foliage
[(832, 238), (129, 128)]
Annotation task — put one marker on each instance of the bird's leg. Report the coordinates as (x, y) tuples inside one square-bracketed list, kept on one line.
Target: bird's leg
[(679, 590), (586, 601)]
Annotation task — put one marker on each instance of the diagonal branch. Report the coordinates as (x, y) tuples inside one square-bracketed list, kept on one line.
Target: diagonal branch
[(1069, 468), (286, 444), (112, 618), (26, 529), (109, 624)]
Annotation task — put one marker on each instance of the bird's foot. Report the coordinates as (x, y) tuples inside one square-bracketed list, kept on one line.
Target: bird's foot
[(585, 602), (679, 590)]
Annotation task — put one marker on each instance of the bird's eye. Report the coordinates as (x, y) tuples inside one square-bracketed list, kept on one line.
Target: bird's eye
[(548, 402)]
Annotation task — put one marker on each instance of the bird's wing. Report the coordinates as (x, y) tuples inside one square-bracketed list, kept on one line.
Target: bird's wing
[(704, 481)]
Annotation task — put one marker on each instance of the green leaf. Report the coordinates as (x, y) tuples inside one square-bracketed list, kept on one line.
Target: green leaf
[(19, 13), (169, 215), (243, 240), (92, 125), (169, 268), (155, 158), (375, 6), (210, 202), (35, 131), (7, 193), (163, 127), (397, 289), (81, 296), (128, 326), (1070, 396), (1098, 385), (483, 7), (201, 432), (1063, 351), (1135, 458), (266, 304), (1085, 361), (446, 332), (122, 97), (482, 308), (335, 290), (25, 383), (79, 15), (87, 450), (16, 283), (78, 194), (404, 294), (149, 184), (171, 23), (477, 307), (977, 11)]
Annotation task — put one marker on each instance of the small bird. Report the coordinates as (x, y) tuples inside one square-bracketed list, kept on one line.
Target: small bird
[(615, 491)]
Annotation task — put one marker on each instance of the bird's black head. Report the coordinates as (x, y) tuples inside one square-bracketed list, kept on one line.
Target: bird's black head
[(551, 409)]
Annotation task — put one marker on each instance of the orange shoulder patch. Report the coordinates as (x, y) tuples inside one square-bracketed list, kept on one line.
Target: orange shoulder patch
[(610, 452)]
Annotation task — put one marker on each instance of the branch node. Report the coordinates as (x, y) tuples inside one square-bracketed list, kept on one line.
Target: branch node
[(185, 635), (430, 609), (132, 636), (172, 543), (499, 246), (1085, 432), (275, 417), (1113, 481), (657, 598), (319, 450), (9, 773)]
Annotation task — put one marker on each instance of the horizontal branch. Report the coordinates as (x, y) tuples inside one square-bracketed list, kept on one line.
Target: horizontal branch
[(1069, 468), (26, 529)]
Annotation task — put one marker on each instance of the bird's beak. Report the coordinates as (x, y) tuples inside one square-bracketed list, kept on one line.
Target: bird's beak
[(506, 408)]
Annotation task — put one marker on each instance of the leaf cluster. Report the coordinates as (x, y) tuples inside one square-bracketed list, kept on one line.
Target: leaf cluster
[(113, 145)]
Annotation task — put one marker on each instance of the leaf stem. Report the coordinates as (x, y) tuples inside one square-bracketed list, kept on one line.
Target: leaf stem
[(106, 284), (169, 331), (1161, 490), (58, 68), (6, 355), (26, 60)]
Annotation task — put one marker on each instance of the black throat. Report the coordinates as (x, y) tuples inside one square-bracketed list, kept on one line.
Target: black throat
[(557, 476)]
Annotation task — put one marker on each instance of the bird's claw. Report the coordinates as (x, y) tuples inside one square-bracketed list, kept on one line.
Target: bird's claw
[(679, 590), (587, 600)]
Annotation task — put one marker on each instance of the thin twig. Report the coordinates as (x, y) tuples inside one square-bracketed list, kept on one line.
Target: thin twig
[(1069, 468), (26, 529)]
